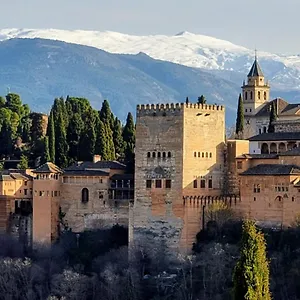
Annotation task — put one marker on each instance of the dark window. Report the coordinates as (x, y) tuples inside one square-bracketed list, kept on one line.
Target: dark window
[(246, 96), (293, 199), (202, 154), (254, 198), (164, 154), (259, 130), (85, 195), (195, 183), (169, 154), (258, 95), (198, 154), (168, 184), (202, 183), (148, 184), (148, 154), (25, 182), (55, 193), (251, 95), (250, 110), (159, 155), (210, 184), (210, 155), (265, 129), (41, 193), (195, 154), (100, 195), (153, 154), (158, 183), (265, 96), (25, 192), (246, 110), (206, 154)]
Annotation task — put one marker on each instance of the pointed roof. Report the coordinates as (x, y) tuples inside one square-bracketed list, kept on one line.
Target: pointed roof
[(255, 70), (48, 167)]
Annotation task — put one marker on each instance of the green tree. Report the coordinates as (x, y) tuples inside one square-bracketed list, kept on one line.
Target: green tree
[(51, 136), (129, 138), (61, 145), (2, 102), (239, 127), (118, 138), (251, 273), (201, 100), (46, 154), (106, 115), (6, 139), (14, 103), (23, 164), (273, 118)]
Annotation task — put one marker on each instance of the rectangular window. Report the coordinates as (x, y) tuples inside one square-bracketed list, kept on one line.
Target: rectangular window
[(240, 165), (168, 184), (195, 183), (158, 183), (210, 185), (202, 183), (25, 182), (55, 193), (148, 184), (25, 192)]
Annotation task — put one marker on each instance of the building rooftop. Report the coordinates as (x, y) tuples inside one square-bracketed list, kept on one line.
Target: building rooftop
[(269, 169), (257, 156), (100, 165), (85, 173), (48, 167), (255, 70), (9, 175), (292, 152), (276, 136)]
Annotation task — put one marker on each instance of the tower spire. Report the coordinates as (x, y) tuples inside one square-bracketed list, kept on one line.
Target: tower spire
[(255, 51)]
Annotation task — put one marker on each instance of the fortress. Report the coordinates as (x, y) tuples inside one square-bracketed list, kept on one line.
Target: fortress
[(183, 164)]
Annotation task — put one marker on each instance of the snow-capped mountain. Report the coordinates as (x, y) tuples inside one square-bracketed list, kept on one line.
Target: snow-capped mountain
[(185, 48)]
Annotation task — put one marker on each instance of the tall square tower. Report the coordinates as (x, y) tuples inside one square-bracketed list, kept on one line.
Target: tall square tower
[(179, 154)]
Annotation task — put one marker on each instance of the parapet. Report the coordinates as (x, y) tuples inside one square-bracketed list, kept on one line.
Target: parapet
[(163, 109)]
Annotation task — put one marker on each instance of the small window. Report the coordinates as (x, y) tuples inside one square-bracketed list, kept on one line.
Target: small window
[(195, 154), (202, 183), (148, 154), (169, 154), (159, 154), (246, 110), (258, 95), (153, 154), (101, 195), (251, 95), (210, 155), (195, 183), (25, 183), (210, 183), (101, 180), (25, 192), (199, 154), (168, 183), (250, 110), (240, 165), (254, 198), (259, 131), (158, 183), (293, 199), (148, 184), (164, 154), (265, 129), (55, 193), (265, 96), (85, 195), (202, 154), (206, 154), (246, 96)]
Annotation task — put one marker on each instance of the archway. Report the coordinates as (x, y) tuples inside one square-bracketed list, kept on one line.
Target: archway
[(264, 148), (273, 148)]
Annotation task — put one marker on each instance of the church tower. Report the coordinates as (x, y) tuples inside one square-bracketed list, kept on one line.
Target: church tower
[(256, 92)]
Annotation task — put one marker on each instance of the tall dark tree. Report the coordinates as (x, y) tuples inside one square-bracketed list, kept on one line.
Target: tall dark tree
[(251, 274), (23, 164), (14, 103), (106, 115), (129, 138), (61, 145), (6, 139), (201, 100), (51, 136), (101, 144), (273, 118), (239, 127), (118, 138), (46, 154), (187, 101)]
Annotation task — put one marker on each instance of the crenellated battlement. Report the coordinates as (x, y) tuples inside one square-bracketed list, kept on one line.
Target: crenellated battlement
[(158, 109)]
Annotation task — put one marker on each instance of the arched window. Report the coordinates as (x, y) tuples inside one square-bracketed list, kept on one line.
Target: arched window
[(148, 154), (153, 154), (159, 155), (85, 195), (169, 154), (265, 95), (258, 94), (206, 154), (164, 154), (264, 148), (202, 154), (195, 154), (199, 154), (251, 95), (246, 95)]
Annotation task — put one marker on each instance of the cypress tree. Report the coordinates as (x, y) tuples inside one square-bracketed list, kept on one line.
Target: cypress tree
[(101, 145), (51, 135), (61, 145), (201, 100), (106, 116), (111, 153), (129, 138), (46, 154), (23, 164), (251, 274), (273, 118), (118, 138), (239, 128)]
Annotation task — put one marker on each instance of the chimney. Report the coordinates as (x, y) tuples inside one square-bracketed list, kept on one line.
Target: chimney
[(96, 158)]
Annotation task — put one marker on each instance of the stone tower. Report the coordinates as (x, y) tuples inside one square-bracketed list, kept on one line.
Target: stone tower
[(255, 94), (179, 154)]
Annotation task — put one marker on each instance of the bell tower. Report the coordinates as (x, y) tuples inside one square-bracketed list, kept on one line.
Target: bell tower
[(256, 92)]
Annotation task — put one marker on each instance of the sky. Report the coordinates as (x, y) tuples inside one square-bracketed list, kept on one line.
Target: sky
[(268, 25)]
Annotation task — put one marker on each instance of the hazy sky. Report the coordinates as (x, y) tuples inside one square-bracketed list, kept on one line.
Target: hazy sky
[(271, 25)]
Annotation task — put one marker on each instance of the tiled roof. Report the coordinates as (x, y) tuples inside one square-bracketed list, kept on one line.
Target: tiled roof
[(255, 70), (282, 108), (255, 156), (100, 165), (268, 169), (276, 136), (122, 177), (48, 167), (292, 152), (8, 175), (85, 173)]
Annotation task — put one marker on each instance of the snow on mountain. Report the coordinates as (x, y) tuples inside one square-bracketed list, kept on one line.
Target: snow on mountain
[(184, 48)]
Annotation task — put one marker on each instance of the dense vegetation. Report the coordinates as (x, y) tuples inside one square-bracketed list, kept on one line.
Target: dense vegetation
[(73, 131)]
